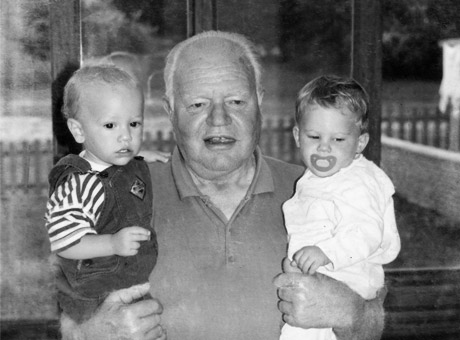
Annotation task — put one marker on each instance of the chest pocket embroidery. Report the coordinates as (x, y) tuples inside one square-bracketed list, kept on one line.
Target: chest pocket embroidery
[(138, 189)]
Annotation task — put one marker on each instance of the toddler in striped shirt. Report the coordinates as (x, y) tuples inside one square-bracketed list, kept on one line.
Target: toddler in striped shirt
[(100, 204)]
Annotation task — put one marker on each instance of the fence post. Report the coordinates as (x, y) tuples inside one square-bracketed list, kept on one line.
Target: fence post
[(413, 125), (268, 131), (2, 168), (37, 156), (454, 135)]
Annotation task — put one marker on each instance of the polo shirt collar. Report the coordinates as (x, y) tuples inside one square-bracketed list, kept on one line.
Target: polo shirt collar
[(262, 183)]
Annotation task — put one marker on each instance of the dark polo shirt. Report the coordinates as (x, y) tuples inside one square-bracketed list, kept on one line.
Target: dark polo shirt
[(213, 275)]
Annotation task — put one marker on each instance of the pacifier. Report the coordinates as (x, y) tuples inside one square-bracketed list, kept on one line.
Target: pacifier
[(323, 164)]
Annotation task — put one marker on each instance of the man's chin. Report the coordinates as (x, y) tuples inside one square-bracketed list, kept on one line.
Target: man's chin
[(212, 167)]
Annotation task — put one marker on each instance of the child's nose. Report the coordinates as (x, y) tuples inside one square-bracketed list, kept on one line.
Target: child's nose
[(125, 135), (324, 146)]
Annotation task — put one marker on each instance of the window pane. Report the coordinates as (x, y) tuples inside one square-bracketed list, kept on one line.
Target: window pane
[(136, 36), (27, 290), (297, 41)]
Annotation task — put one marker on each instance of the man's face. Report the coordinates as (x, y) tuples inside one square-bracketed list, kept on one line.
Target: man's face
[(216, 115)]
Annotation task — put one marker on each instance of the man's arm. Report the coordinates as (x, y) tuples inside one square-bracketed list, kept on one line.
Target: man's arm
[(119, 319), (317, 301)]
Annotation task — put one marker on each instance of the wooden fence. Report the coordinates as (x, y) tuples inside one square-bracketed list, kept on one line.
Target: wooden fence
[(419, 124), (25, 165), (420, 303)]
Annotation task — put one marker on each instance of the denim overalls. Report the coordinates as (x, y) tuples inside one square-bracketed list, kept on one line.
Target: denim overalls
[(84, 284)]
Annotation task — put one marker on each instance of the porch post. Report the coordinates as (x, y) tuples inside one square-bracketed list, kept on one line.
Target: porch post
[(449, 92), (366, 64), (66, 56), (201, 16)]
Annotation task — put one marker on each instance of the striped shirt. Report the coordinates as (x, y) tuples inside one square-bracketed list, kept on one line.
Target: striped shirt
[(73, 210)]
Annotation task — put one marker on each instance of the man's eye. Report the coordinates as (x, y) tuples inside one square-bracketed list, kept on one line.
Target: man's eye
[(196, 105), (109, 125), (236, 102), (135, 124)]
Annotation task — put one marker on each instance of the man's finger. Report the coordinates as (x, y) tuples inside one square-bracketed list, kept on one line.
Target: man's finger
[(289, 266), (156, 333), (285, 307), (128, 295), (148, 308), (287, 280), (288, 318)]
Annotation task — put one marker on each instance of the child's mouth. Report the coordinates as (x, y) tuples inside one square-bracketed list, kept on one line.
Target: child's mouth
[(321, 163)]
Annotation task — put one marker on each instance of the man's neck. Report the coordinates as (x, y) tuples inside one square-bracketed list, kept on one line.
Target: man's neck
[(227, 191)]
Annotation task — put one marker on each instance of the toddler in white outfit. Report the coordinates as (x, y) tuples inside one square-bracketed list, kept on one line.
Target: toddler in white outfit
[(340, 221)]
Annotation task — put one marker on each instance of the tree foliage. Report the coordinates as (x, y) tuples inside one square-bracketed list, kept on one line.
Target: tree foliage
[(412, 30)]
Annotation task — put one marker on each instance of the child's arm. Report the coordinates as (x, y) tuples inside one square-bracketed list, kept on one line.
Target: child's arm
[(126, 242), (360, 231), (151, 156), (308, 259)]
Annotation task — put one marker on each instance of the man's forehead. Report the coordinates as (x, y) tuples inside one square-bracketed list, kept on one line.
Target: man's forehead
[(213, 53)]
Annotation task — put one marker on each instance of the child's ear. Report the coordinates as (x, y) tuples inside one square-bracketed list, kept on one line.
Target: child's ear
[(76, 129), (295, 133), (362, 142)]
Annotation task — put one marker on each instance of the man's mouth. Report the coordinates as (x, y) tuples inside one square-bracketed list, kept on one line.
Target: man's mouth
[(323, 163), (219, 140)]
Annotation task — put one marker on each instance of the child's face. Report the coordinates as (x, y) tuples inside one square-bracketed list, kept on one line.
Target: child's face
[(328, 139), (110, 124)]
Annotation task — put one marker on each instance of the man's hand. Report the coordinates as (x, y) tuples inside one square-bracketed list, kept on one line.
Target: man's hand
[(126, 242), (118, 318), (151, 156), (317, 301)]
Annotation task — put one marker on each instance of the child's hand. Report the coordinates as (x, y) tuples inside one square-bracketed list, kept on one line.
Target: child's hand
[(155, 156), (126, 242), (309, 259)]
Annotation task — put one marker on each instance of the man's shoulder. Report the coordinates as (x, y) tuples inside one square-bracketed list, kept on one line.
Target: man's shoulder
[(159, 171), (281, 168)]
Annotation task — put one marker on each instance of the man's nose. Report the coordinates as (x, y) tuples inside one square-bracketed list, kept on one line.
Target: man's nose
[(218, 115)]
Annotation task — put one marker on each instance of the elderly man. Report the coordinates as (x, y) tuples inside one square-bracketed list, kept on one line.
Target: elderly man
[(217, 213)]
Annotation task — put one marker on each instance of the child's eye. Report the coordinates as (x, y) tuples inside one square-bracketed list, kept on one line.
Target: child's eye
[(313, 137), (109, 125), (135, 124), (340, 139)]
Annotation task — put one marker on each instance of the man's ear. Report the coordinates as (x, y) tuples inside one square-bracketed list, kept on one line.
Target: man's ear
[(167, 107), (260, 96), (295, 133), (76, 129), (362, 142)]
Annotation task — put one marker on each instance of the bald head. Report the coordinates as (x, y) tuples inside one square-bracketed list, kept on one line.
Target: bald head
[(211, 49)]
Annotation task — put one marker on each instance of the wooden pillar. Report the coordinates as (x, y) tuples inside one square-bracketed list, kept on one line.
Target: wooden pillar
[(366, 65), (201, 16), (66, 56)]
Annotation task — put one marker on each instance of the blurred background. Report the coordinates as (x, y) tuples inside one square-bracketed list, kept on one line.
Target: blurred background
[(297, 40)]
